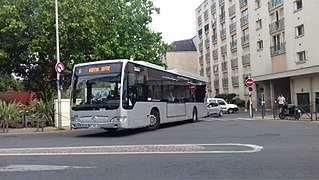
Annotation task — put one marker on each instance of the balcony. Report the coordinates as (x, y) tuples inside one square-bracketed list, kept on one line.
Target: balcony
[(246, 59), (232, 10), (242, 3), (221, 2), (201, 62), (234, 63), (200, 46), (201, 72), (214, 38), (244, 20), (207, 41), (223, 49), (208, 71), (225, 82), (278, 49), (215, 69), (206, 28), (224, 66), (233, 45), (214, 22), (209, 86), (223, 33), (222, 17), (200, 35), (273, 4), (235, 80), (215, 54), (206, 15), (232, 27), (207, 57), (213, 8), (245, 40), (199, 20), (216, 84), (277, 26)]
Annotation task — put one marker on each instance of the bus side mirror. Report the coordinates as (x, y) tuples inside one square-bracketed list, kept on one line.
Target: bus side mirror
[(130, 79)]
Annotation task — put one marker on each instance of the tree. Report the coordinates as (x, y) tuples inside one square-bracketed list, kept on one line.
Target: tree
[(90, 30), (8, 81)]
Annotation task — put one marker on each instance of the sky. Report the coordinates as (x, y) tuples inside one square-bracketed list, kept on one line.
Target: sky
[(176, 20)]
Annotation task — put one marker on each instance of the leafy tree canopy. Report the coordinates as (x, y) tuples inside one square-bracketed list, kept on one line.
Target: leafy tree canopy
[(9, 82), (89, 30)]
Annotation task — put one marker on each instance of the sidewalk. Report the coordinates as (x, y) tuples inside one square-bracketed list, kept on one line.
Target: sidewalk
[(33, 130)]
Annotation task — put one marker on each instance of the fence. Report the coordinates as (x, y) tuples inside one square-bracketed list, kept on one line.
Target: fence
[(307, 111)]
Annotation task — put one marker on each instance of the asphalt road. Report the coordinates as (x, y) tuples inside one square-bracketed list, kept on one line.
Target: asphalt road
[(231, 147)]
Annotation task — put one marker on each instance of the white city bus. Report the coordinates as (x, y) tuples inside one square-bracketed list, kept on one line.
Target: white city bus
[(125, 94)]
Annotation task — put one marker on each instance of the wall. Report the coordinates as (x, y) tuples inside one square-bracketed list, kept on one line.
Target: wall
[(184, 60), (65, 111)]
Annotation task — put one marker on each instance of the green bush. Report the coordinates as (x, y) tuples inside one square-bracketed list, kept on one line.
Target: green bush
[(239, 102), (10, 113)]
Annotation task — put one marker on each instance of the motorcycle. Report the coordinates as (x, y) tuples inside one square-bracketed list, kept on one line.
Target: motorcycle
[(291, 111)]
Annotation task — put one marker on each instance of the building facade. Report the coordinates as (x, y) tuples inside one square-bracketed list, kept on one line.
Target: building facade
[(183, 56), (271, 41)]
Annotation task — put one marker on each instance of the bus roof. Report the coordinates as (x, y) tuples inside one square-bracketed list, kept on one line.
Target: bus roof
[(147, 64)]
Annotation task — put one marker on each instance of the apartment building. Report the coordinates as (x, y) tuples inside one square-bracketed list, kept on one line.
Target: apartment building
[(271, 41)]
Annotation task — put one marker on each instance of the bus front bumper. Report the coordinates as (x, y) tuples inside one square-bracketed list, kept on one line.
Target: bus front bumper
[(114, 123)]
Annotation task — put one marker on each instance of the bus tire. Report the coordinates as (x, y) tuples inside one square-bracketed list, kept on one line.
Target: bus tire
[(194, 115), (154, 120)]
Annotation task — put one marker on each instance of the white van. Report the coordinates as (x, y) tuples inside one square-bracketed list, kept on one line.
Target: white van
[(229, 108)]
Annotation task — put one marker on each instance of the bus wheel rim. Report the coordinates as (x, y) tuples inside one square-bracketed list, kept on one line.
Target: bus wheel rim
[(153, 120)]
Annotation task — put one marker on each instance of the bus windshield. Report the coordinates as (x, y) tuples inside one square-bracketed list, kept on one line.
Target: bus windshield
[(98, 90)]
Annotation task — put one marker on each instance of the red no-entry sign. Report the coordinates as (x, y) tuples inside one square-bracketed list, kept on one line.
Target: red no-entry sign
[(249, 82)]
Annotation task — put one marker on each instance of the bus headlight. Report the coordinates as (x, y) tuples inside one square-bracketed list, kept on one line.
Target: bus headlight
[(75, 119), (119, 119)]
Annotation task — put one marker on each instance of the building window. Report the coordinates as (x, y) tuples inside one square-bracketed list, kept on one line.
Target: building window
[(301, 56), (206, 28), (298, 5), (300, 31), (258, 24), (200, 33), (245, 37), (199, 20), (244, 17), (233, 42), (260, 45), (257, 4)]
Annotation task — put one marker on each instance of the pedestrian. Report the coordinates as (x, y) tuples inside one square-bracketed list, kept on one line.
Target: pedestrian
[(281, 101)]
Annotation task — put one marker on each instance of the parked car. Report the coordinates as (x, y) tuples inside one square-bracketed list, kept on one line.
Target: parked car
[(229, 108), (214, 108)]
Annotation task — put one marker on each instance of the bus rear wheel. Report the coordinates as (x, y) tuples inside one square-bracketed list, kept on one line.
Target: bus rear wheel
[(154, 120)]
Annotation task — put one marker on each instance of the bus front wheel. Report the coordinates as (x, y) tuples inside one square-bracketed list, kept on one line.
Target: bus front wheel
[(154, 120)]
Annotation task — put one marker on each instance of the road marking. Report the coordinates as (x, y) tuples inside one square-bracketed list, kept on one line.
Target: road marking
[(234, 119), (222, 148), (20, 168)]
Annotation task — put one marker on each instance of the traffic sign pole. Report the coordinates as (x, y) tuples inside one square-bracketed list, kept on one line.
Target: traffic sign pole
[(250, 82), (58, 61), (250, 105)]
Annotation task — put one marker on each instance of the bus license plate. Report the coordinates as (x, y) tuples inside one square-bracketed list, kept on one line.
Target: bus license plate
[(93, 126)]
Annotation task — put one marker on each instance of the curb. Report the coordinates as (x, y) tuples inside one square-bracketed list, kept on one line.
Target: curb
[(26, 131)]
